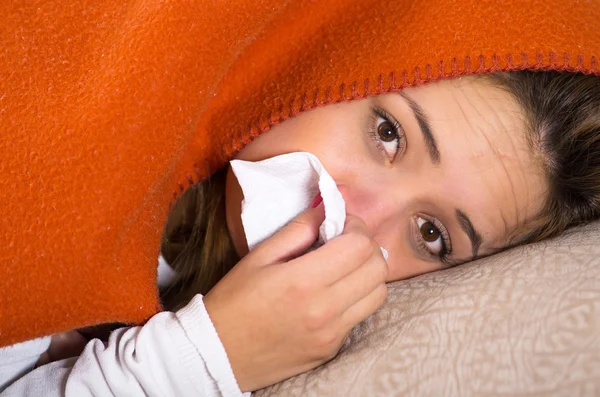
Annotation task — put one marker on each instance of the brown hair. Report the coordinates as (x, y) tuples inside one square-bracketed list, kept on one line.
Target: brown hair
[(196, 242), (562, 110)]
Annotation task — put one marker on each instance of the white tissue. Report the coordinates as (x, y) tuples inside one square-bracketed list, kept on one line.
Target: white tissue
[(278, 189)]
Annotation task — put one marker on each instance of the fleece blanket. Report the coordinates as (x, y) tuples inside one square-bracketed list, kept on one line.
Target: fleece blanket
[(109, 109)]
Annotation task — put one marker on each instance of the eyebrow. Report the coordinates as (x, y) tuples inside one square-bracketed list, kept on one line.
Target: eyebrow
[(425, 126), (467, 226)]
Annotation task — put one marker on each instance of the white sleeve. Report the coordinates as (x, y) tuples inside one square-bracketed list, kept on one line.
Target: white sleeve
[(17, 360), (174, 354)]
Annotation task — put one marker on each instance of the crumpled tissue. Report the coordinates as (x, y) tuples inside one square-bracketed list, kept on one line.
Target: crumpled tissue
[(278, 189)]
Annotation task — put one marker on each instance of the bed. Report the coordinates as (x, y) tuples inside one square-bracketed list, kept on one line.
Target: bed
[(524, 322)]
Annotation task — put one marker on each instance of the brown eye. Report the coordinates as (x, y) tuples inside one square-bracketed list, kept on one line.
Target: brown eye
[(429, 232), (387, 135), (387, 132), (433, 237)]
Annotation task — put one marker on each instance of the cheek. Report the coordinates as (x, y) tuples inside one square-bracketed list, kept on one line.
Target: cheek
[(395, 235), (326, 132), (401, 268), (272, 143), (294, 135), (402, 260)]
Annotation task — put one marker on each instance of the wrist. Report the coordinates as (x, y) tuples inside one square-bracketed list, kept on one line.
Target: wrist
[(202, 333)]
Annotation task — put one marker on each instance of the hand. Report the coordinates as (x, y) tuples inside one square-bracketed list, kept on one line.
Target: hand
[(63, 345), (279, 314)]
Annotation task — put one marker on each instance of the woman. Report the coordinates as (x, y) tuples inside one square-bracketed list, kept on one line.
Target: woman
[(485, 163), (533, 145), (439, 207)]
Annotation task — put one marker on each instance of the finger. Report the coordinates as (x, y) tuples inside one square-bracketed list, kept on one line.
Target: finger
[(354, 224), (292, 240), (339, 257), (43, 360), (358, 284), (65, 345), (365, 307)]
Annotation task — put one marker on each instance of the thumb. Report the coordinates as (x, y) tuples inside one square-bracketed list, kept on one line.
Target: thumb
[(293, 240), (356, 225)]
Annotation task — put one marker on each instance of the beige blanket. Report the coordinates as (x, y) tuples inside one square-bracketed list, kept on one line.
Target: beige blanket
[(525, 322)]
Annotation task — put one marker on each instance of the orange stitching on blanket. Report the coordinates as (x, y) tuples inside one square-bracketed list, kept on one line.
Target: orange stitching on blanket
[(302, 103)]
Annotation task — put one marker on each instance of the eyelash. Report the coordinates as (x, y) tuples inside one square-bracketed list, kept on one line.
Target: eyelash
[(446, 250), (373, 133)]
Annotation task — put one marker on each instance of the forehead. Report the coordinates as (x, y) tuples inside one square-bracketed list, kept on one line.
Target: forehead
[(487, 166)]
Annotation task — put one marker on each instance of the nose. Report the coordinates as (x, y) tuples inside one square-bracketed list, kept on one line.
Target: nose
[(383, 215), (386, 212), (371, 204)]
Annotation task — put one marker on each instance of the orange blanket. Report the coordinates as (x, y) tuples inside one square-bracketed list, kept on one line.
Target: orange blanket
[(109, 109)]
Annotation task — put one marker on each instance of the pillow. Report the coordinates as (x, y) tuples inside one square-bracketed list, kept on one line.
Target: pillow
[(523, 322)]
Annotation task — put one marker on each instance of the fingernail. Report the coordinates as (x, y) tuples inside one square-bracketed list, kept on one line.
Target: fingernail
[(316, 201), (384, 253)]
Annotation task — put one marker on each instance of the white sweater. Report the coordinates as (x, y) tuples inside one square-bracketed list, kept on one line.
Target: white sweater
[(173, 354)]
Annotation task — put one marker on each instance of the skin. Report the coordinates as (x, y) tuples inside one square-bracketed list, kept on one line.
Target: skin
[(486, 170)]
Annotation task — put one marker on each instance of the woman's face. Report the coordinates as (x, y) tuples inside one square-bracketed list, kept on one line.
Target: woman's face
[(441, 173)]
